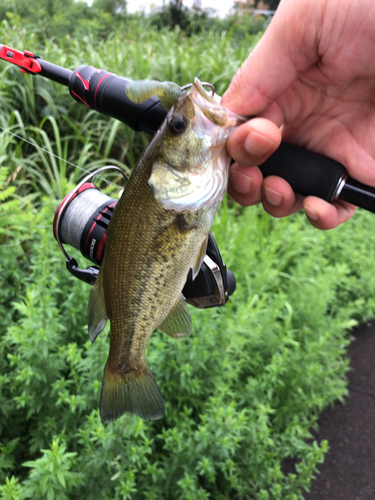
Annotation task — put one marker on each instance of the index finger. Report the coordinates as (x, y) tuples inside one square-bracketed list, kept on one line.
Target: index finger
[(288, 46)]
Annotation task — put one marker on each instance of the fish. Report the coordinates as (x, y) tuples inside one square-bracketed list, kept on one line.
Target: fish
[(158, 232)]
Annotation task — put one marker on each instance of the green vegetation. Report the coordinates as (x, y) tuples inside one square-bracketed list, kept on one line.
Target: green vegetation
[(76, 18), (243, 393)]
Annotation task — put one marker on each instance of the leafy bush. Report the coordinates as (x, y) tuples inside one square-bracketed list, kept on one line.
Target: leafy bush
[(52, 19), (197, 20), (241, 394)]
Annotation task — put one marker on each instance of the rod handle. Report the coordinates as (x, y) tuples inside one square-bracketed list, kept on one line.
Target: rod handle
[(308, 173)]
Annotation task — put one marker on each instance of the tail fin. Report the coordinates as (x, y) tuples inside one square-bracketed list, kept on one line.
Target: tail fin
[(130, 392)]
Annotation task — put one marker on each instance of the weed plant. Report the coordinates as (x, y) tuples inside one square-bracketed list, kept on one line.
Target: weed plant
[(242, 393)]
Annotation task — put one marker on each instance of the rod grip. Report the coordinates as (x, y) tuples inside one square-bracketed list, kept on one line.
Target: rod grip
[(308, 173)]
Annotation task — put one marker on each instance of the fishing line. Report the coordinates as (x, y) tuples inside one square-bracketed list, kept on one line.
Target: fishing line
[(58, 157)]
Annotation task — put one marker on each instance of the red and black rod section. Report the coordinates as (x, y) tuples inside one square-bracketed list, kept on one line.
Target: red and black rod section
[(308, 173), (105, 93), (95, 88), (30, 63)]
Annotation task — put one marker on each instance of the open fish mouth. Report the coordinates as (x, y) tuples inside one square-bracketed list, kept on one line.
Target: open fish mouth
[(196, 176)]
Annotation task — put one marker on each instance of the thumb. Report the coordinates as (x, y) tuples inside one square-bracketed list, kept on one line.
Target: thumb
[(288, 47)]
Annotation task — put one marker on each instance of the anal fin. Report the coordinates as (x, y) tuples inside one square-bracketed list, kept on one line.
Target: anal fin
[(178, 322), (96, 312)]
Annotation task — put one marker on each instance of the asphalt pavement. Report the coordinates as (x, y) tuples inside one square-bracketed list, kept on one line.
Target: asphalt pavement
[(348, 472)]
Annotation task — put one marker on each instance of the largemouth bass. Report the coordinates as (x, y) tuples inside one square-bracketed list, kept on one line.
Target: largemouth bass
[(158, 231)]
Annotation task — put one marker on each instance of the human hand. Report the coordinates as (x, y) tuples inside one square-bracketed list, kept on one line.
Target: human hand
[(313, 72)]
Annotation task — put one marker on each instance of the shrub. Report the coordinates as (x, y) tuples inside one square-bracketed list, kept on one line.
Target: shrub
[(241, 394)]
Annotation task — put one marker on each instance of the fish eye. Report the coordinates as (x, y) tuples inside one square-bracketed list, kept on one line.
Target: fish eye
[(177, 124)]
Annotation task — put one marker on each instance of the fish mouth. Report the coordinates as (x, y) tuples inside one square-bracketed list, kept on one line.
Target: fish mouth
[(210, 105), (213, 98)]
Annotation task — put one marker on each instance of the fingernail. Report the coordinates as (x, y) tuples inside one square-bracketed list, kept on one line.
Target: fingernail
[(311, 214), (241, 182), (258, 144), (273, 197)]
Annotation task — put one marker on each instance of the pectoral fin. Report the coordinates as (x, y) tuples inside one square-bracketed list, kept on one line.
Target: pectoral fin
[(178, 322), (200, 257), (96, 312)]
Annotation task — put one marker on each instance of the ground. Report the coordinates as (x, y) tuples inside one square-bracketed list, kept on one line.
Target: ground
[(348, 472)]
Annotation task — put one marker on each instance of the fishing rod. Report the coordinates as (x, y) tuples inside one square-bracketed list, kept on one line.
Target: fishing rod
[(308, 173)]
